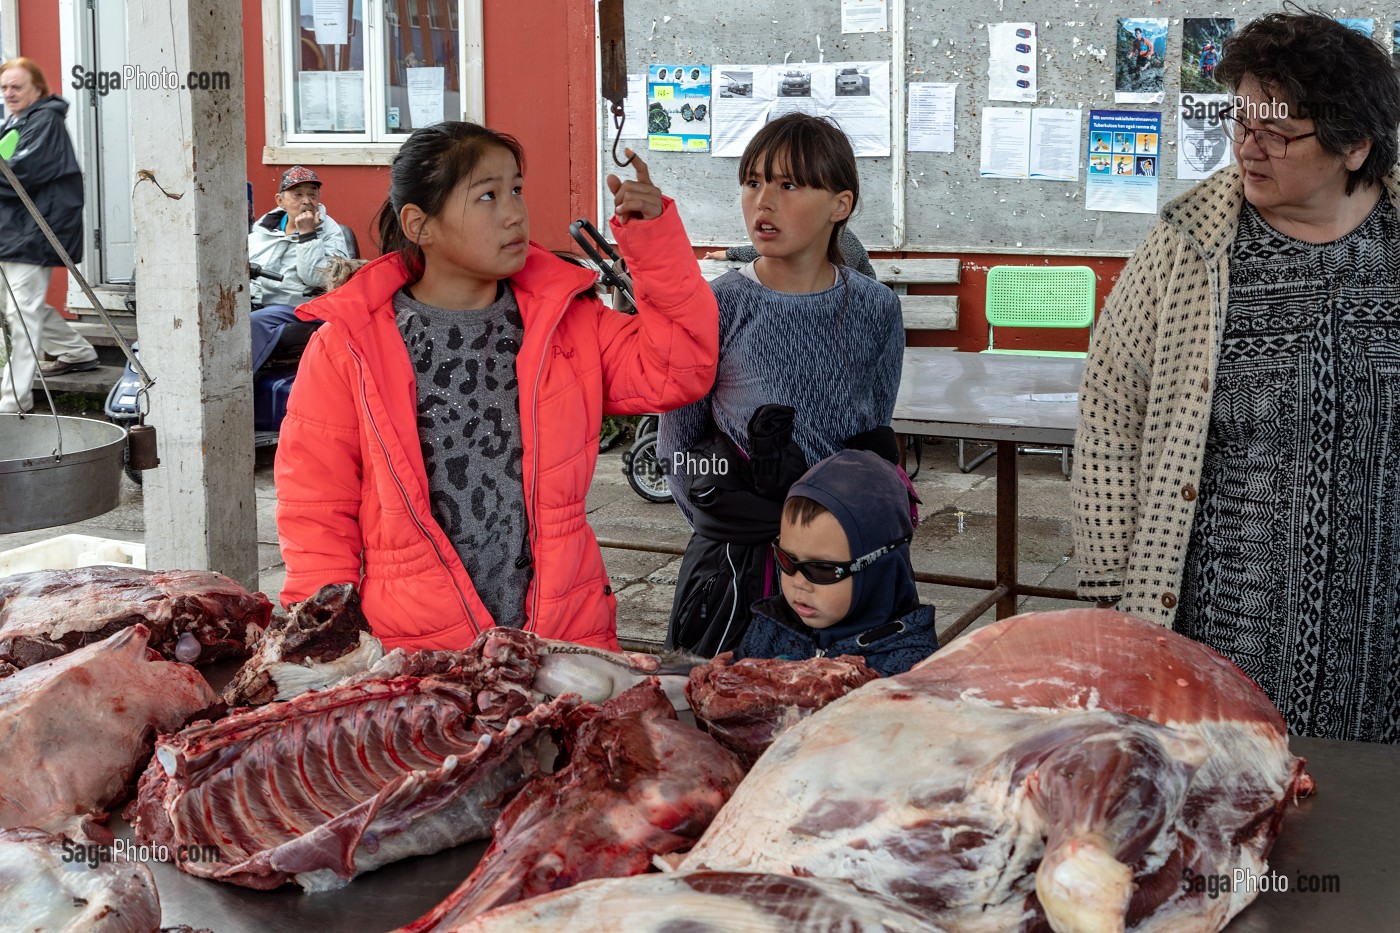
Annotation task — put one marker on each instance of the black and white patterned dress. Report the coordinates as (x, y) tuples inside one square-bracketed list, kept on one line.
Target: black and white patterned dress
[(469, 428), (1293, 571)]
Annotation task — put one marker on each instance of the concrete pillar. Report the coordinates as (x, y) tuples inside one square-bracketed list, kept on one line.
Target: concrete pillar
[(189, 207)]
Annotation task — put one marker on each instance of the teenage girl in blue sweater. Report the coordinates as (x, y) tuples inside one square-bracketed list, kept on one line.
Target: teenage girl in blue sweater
[(797, 329)]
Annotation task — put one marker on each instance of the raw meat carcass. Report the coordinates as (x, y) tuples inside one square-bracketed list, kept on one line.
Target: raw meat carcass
[(746, 705), (338, 782), (43, 889), (639, 783), (75, 729), (1065, 768), (192, 615), (319, 643), (705, 902)]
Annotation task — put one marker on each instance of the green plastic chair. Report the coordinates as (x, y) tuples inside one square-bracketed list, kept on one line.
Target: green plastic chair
[(1036, 296), (1039, 296)]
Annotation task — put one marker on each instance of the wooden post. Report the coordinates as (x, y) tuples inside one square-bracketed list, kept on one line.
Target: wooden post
[(189, 210)]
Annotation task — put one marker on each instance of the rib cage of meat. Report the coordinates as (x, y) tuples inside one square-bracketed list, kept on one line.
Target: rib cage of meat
[(747, 704), (73, 730), (1057, 769), (638, 783), (332, 784), (47, 613)]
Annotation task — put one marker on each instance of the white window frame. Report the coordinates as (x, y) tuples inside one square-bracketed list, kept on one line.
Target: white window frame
[(9, 29), (345, 149)]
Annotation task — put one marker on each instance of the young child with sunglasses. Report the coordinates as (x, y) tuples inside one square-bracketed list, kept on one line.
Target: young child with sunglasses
[(847, 580)]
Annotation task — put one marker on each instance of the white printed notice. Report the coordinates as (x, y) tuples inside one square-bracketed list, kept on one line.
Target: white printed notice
[(425, 96), (863, 16), (1055, 144), (1012, 67), (331, 22), (330, 102), (1201, 143), (634, 111), (854, 94), (931, 110), (1006, 135)]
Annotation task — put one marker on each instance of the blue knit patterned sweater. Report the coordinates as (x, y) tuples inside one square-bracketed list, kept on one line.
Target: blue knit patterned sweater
[(834, 356)]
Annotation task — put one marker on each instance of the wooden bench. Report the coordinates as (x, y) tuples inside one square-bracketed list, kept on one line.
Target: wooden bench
[(921, 312)]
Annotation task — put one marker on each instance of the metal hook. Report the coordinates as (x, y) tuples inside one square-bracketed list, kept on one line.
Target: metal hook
[(619, 117)]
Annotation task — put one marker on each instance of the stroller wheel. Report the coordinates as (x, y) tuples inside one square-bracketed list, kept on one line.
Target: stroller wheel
[(644, 470)]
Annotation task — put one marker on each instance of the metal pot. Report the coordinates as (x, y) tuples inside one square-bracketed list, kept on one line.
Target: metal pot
[(41, 487)]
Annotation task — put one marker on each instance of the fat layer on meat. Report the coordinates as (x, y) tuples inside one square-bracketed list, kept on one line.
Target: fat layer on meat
[(41, 892), (74, 730), (1062, 768)]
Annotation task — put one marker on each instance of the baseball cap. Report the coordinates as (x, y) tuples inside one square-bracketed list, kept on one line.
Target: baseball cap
[(297, 175)]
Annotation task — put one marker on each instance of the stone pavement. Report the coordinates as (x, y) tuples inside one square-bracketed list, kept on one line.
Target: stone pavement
[(644, 582)]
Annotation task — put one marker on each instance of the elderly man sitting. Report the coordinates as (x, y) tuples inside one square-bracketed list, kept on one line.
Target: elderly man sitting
[(296, 240)]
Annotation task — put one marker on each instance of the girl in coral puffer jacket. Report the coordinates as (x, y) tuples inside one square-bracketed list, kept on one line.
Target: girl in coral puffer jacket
[(442, 432)]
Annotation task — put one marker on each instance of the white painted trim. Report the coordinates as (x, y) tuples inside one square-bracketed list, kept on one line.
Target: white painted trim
[(9, 25), (344, 150), (898, 161)]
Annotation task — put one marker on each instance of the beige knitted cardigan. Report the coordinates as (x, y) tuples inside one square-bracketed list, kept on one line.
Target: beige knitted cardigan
[(1145, 401)]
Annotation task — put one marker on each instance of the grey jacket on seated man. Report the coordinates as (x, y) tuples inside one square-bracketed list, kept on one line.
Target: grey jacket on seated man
[(298, 258)]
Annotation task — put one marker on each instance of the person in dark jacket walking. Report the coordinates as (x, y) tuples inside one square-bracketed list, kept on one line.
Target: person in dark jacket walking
[(46, 166), (847, 580)]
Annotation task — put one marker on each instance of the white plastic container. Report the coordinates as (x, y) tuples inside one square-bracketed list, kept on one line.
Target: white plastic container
[(67, 551)]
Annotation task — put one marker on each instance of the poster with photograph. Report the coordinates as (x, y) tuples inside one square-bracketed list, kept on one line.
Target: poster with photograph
[(1140, 75), (1201, 144), (1365, 26), (1124, 155), (678, 108), (1395, 43), (1202, 48), (854, 94)]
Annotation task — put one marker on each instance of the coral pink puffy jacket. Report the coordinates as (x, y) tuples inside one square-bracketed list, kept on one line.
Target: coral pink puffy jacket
[(351, 485)]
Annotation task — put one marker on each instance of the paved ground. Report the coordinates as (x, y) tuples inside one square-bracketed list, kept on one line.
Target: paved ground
[(644, 582)]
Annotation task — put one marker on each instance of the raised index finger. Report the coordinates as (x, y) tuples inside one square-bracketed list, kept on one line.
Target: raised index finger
[(643, 173)]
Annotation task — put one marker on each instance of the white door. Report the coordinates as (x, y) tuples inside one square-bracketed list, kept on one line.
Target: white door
[(108, 162)]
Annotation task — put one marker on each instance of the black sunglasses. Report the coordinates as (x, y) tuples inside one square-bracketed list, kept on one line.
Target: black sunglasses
[(822, 572)]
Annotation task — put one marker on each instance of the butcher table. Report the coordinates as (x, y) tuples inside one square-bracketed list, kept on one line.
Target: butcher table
[(1346, 836)]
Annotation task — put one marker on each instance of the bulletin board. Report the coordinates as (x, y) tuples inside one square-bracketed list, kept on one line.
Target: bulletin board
[(925, 201)]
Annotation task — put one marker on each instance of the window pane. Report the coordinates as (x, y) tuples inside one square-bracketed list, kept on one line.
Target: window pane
[(424, 80), (329, 90)]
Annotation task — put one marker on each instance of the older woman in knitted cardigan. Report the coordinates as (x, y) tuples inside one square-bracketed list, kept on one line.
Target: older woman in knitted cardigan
[(1238, 453)]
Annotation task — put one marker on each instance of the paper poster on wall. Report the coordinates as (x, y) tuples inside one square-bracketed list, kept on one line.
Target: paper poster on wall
[(1012, 63), (1140, 75), (931, 116), (330, 20), (1055, 144), (1201, 144), (678, 108), (1006, 142), (863, 16), (854, 94), (1365, 26), (1202, 49), (1124, 160), (331, 102), (425, 95), (634, 115), (1395, 43)]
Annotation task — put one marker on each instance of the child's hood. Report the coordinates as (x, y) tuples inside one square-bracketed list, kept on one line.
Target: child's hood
[(874, 504)]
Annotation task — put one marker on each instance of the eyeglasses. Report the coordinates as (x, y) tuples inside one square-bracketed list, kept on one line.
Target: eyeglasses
[(822, 572), (1274, 145)]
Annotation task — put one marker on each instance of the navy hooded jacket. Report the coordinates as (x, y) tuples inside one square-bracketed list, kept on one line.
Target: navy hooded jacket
[(46, 166), (886, 624)]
